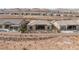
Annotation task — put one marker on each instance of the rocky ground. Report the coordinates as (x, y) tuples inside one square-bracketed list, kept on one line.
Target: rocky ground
[(50, 42)]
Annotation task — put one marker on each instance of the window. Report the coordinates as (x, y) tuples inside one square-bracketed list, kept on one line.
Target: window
[(1, 13), (16, 28), (7, 26), (40, 27), (48, 28), (51, 14), (77, 16), (71, 27), (0, 26), (14, 14), (58, 15), (22, 13), (27, 13), (31, 28), (35, 14), (11, 28), (44, 14)]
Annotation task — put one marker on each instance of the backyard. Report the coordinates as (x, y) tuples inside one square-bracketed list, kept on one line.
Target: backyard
[(39, 41)]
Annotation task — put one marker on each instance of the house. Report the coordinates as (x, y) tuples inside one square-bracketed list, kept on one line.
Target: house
[(40, 26), (40, 20), (11, 24), (67, 26)]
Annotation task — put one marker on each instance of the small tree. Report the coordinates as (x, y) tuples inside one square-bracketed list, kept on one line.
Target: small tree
[(23, 27)]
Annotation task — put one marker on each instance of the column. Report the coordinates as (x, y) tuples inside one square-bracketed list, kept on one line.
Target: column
[(29, 13), (50, 28), (28, 27), (34, 28), (45, 28), (66, 27), (3, 26), (9, 27), (77, 28)]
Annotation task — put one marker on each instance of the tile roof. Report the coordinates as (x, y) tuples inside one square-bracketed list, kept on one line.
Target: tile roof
[(10, 21), (39, 22), (68, 22)]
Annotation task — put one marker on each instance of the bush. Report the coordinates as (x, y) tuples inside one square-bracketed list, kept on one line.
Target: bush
[(23, 27), (25, 49)]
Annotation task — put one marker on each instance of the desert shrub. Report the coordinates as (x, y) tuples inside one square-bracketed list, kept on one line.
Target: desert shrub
[(23, 27), (24, 48)]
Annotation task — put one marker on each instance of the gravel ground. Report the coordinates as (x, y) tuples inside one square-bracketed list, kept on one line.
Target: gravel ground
[(40, 42)]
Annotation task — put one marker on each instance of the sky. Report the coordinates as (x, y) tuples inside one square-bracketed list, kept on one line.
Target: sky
[(39, 3)]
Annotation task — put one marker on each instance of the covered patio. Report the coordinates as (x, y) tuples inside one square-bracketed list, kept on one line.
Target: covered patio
[(10, 24), (39, 26), (67, 25)]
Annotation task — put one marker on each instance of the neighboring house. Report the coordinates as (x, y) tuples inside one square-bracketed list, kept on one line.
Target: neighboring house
[(40, 20), (40, 12), (63, 26), (40, 26), (11, 24), (67, 26)]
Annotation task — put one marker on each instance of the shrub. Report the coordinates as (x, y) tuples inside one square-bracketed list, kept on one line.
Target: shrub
[(25, 49), (23, 27)]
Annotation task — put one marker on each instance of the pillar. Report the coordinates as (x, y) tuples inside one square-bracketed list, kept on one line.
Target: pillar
[(3, 26), (29, 13), (77, 28), (50, 27), (28, 27), (34, 28), (46, 28), (66, 27)]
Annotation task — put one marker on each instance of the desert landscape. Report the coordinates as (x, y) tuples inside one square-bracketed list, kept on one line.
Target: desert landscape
[(39, 29), (38, 41)]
